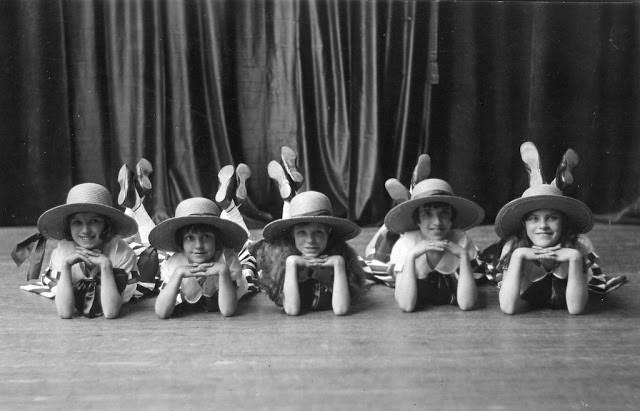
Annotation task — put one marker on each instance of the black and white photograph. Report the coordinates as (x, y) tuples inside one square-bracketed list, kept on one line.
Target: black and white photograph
[(320, 205)]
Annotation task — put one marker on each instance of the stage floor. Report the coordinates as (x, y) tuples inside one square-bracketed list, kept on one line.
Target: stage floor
[(375, 358)]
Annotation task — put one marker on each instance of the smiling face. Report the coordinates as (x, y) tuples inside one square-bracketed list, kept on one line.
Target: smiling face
[(435, 220), (544, 227), (87, 229), (199, 244), (311, 239)]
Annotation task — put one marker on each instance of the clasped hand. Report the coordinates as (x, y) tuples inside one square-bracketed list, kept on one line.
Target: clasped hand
[(555, 253), (91, 257), (320, 261), (438, 245), (203, 269)]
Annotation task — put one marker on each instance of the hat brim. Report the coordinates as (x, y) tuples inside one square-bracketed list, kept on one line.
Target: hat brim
[(400, 218), (509, 218), (341, 227), (52, 222), (229, 233)]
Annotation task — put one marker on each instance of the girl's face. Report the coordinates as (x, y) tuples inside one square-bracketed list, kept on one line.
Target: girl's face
[(435, 222), (87, 229), (199, 246), (544, 227), (311, 239)]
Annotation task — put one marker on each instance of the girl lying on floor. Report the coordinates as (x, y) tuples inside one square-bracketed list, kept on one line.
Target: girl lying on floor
[(304, 260)]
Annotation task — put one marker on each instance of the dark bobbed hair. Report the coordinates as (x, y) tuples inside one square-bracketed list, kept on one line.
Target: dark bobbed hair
[(199, 229), (436, 204)]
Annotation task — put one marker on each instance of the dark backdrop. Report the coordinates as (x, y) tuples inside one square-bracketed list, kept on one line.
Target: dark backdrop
[(194, 85)]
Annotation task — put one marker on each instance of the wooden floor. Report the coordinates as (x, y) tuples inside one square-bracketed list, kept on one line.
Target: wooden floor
[(376, 358)]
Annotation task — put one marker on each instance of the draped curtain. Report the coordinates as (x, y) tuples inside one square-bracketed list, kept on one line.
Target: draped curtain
[(354, 86)]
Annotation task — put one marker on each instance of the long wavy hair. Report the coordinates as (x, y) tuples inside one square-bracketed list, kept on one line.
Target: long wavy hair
[(271, 259), (568, 238)]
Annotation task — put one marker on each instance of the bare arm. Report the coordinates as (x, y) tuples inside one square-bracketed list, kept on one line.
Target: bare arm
[(406, 290), (510, 301), (166, 300), (577, 292), (340, 298), (227, 301), (467, 292), (291, 298), (109, 296), (65, 300)]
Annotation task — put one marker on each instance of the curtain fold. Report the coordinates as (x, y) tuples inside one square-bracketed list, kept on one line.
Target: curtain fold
[(193, 85)]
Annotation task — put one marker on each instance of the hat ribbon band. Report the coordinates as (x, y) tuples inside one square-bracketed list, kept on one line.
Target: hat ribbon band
[(432, 193), (319, 213), (202, 215)]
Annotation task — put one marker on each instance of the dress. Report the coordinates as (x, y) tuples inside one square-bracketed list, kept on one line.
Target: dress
[(87, 289), (436, 285), (542, 287), (204, 290)]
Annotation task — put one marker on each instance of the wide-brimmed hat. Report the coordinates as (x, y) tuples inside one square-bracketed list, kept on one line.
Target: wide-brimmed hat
[(197, 210), (85, 198), (433, 190), (311, 207), (542, 196)]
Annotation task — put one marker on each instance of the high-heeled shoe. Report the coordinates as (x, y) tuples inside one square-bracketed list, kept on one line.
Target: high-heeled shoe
[(564, 175), (142, 181), (277, 173), (127, 195), (243, 173), (290, 165), (226, 186), (396, 190), (531, 159), (421, 171)]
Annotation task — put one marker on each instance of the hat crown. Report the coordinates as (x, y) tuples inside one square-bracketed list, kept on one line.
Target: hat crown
[(310, 203), (89, 193), (430, 187), (197, 206), (542, 190)]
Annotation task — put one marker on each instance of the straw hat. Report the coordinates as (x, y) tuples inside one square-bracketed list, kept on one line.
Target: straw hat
[(540, 196), (311, 207), (85, 198), (509, 218), (433, 190), (197, 210)]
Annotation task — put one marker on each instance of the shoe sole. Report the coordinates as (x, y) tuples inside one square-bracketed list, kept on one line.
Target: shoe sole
[(531, 158), (243, 173), (422, 169), (396, 190), (276, 172), (225, 176), (289, 162), (571, 160), (143, 170), (124, 179)]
